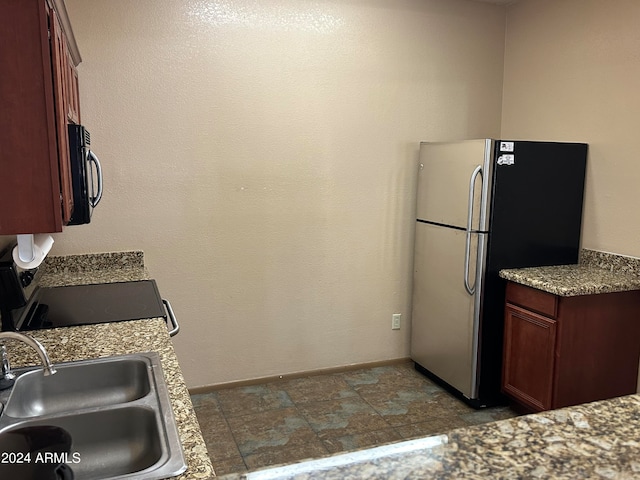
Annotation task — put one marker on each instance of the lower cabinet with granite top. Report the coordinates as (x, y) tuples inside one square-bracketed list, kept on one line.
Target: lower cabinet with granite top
[(567, 350)]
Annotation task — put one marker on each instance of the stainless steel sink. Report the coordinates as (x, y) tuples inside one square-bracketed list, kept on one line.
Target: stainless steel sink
[(117, 411), (111, 443), (78, 386)]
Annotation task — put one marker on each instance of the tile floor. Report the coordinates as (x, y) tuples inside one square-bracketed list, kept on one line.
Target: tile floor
[(247, 428)]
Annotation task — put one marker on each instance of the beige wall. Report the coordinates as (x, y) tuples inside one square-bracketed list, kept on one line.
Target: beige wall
[(572, 72), (262, 154)]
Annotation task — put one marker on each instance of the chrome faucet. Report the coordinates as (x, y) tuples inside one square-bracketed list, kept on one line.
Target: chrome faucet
[(7, 375)]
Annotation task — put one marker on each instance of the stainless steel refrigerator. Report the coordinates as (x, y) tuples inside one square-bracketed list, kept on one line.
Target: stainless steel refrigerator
[(484, 205)]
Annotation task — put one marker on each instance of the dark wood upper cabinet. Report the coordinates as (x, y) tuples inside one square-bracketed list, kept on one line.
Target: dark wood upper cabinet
[(38, 98)]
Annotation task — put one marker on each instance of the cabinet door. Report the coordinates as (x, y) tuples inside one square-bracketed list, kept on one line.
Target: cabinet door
[(59, 60), (29, 179), (73, 94), (35, 91), (529, 351)]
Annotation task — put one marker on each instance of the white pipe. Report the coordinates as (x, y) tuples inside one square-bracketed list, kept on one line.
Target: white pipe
[(31, 250), (26, 249)]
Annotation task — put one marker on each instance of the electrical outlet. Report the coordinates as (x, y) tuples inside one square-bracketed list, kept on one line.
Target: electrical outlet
[(395, 321)]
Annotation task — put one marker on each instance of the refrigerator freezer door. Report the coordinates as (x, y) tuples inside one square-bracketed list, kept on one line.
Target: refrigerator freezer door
[(444, 318), (536, 212), (444, 179)]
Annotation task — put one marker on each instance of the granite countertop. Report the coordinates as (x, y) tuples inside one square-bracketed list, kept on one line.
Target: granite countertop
[(599, 440), (103, 340), (597, 272), (93, 268)]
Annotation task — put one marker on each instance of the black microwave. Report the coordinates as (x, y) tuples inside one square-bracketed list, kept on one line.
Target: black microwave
[(86, 175)]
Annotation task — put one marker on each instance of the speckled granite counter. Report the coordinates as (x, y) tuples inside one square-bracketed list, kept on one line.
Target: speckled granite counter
[(103, 340), (600, 440), (93, 268), (597, 272)]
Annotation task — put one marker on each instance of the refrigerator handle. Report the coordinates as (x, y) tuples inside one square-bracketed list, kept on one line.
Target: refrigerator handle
[(471, 289)]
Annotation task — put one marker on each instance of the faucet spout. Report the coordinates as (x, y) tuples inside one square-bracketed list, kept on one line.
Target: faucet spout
[(47, 366)]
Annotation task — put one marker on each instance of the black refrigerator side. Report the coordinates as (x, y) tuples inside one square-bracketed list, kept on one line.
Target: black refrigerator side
[(535, 220)]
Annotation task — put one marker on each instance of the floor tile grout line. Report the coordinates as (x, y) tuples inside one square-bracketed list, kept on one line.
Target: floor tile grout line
[(311, 427), (391, 427), (341, 376), (375, 409), (226, 420), (293, 404), (357, 395), (396, 427)]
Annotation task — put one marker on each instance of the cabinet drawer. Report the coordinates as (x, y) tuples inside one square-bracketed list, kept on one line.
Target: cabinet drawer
[(532, 299)]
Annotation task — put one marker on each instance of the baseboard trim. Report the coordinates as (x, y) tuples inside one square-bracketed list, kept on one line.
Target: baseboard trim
[(294, 375)]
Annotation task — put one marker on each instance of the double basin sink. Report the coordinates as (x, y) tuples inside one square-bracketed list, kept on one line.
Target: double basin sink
[(116, 410)]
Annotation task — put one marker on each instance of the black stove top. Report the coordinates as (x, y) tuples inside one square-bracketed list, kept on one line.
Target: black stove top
[(51, 307)]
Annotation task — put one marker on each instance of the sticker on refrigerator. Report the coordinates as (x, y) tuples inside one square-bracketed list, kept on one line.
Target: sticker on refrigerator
[(506, 146), (507, 159)]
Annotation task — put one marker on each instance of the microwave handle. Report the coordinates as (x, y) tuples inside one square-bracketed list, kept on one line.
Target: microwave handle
[(94, 159)]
